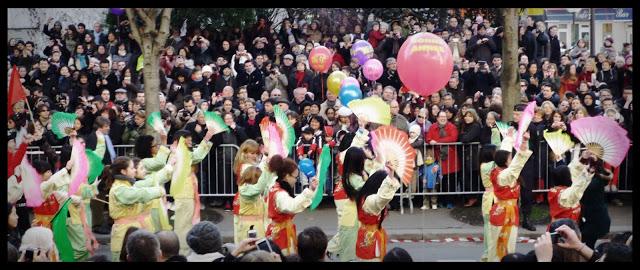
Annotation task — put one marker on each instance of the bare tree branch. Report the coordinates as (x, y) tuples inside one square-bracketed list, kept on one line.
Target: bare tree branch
[(149, 24), (165, 21), (135, 33)]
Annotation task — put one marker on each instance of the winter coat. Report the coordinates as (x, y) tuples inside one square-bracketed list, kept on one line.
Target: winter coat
[(449, 158), (471, 153)]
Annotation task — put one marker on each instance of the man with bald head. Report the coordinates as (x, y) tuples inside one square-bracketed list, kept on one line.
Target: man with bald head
[(276, 93), (299, 97), (397, 120), (170, 247)]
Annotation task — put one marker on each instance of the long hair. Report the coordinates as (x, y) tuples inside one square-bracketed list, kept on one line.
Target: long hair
[(282, 167), (250, 176), (370, 187), (143, 146), (353, 164), (248, 146), (119, 164)]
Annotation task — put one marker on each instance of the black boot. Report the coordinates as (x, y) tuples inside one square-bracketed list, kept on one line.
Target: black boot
[(526, 225)]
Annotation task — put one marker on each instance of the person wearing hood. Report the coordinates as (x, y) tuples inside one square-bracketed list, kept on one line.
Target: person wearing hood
[(589, 102), (55, 32), (127, 203)]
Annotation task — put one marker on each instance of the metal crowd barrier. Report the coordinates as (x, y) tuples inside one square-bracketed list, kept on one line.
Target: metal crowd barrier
[(217, 179)]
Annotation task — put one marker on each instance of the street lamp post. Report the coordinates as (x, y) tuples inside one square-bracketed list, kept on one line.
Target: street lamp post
[(592, 29)]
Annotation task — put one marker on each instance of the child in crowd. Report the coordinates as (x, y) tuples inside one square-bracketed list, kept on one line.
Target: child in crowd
[(432, 175)]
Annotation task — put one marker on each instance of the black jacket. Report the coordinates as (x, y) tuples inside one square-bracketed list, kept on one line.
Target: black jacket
[(555, 50), (391, 78), (254, 83), (48, 79), (483, 51)]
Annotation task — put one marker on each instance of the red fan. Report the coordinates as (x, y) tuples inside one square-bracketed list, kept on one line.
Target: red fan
[(393, 145)]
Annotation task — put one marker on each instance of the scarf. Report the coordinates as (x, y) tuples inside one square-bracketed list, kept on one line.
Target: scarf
[(299, 77), (124, 177)]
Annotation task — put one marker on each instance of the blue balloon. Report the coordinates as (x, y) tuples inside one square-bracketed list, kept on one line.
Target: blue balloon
[(306, 166), (349, 93)]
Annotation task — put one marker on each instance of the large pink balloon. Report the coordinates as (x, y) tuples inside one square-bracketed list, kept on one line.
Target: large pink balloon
[(320, 59), (425, 63), (372, 69)]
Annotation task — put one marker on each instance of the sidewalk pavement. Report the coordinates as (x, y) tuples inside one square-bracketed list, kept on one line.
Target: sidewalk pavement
[(421, 225)]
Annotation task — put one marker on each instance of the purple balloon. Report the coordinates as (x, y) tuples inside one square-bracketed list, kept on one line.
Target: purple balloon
[(362, 51), (117, 11), (372, 69)]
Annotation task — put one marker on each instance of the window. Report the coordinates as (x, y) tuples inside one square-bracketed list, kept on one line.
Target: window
[(607, 30)]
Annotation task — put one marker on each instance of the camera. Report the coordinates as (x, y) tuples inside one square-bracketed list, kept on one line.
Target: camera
[(252, 233), (263, 244), (556, 237)]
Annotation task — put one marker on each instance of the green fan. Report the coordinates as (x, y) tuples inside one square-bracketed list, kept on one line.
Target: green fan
[(323, 169), (62, 123), (155, 121), (214, 122), (95, 165), (289, 134)]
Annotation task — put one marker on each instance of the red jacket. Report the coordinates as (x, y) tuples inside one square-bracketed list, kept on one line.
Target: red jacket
[(451, 164)]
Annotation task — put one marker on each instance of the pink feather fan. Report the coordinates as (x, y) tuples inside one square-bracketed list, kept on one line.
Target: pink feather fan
[(80, 168), (31, 181), (523, 125), (603, 137)]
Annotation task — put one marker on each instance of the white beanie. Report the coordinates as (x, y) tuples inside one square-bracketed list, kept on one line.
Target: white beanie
[(37, 238), (207, 68), (344, 111)]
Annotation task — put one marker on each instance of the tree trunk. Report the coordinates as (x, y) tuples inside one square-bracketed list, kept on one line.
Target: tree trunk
[(510, 80), (151, 39), (151, 84)]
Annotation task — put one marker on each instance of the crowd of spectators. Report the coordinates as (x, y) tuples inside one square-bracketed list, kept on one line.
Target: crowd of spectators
[(241, 74)]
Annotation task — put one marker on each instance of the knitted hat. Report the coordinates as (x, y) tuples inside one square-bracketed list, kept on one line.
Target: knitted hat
[(610, 39), (37, 238), (204, 238), (207, 68), (344, 111)]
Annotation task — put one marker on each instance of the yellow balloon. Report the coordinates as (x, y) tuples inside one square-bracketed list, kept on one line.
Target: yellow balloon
[(334, 81)]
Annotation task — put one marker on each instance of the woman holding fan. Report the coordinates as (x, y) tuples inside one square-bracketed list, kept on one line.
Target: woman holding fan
[(504, 216), (372, 202)]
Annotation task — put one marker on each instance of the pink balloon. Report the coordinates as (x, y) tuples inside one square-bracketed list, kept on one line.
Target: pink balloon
[(372, 69), (349, 81), (320, 59), (425, 63)]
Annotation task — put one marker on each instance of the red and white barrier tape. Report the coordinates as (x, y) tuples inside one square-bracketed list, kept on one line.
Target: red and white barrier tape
[(522, 240)]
